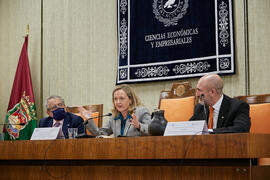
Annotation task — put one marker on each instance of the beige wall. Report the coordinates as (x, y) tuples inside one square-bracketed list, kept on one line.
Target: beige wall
[(80, 51), (14, 17), (259, 46)]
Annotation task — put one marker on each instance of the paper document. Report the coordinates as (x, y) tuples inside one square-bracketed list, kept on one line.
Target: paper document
[(45, 133), (186, 128)]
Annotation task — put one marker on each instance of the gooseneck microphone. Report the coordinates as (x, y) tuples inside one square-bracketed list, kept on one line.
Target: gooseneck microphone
[(86, 121), (204, 109), (92, 127), (20, 124)]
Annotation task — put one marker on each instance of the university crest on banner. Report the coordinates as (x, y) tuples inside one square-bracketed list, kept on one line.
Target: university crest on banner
[(169, 12), (174, 39)]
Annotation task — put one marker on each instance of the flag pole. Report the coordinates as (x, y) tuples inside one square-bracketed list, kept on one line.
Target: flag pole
[(27, 30), (21, 100)]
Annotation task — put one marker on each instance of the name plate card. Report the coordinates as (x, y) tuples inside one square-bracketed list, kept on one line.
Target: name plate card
[(45, 133), (186, 128)]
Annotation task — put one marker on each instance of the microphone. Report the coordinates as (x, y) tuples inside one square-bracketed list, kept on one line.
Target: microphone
[(204, 109), (202, 96), (86, 121), (20, 124), (92, 127)]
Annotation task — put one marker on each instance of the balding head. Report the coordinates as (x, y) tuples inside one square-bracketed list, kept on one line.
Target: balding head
[(210, 89), (213, 81)]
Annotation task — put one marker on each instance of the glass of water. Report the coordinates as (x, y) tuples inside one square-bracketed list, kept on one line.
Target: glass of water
[(72, 133)]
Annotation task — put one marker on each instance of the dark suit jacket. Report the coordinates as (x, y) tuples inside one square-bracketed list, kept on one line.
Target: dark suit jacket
[(70, 121), (233, 116)]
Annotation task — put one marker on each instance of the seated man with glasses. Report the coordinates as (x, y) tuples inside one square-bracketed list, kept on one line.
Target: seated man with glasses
[(58, 117)]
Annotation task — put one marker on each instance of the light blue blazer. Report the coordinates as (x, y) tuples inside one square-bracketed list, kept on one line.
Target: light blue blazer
[(113, 126)]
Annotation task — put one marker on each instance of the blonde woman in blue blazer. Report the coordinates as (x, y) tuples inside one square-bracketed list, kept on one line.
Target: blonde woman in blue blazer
[(129, 116)]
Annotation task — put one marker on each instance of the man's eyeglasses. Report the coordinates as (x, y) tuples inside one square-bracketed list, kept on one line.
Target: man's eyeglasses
[(56, 106)]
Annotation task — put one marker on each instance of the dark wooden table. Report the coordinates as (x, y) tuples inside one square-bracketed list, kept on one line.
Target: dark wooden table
[(211, 157)]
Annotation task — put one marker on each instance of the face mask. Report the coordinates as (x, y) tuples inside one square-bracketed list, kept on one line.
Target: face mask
[(59, 114)]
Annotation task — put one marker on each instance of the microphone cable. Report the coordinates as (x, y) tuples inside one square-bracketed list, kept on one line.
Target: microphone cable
[(45, 166), (190, 141)]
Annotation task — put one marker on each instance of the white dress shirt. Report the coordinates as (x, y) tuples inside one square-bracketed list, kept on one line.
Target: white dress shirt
[(216, 111)]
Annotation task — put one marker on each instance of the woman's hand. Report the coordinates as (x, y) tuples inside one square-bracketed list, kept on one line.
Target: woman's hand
[(86, 113), (134, 121)]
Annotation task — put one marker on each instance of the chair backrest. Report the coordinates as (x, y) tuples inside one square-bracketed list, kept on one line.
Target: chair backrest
[(259, 112), (97, 110), (260, 117), (178, 103)]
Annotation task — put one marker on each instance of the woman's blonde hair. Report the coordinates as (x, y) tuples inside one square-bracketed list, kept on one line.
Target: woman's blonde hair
[(135, 100)]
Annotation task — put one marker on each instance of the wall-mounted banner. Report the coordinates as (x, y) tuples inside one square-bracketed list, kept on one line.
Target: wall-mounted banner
[(174, 39)]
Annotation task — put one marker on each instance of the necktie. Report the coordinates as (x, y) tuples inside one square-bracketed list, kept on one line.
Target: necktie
[(61, 134), (57, 124), (210, 122)]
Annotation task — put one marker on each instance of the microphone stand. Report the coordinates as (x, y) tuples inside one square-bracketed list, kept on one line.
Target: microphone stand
[(84, 135), (205, 114), (204, 108), (93, 128)]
